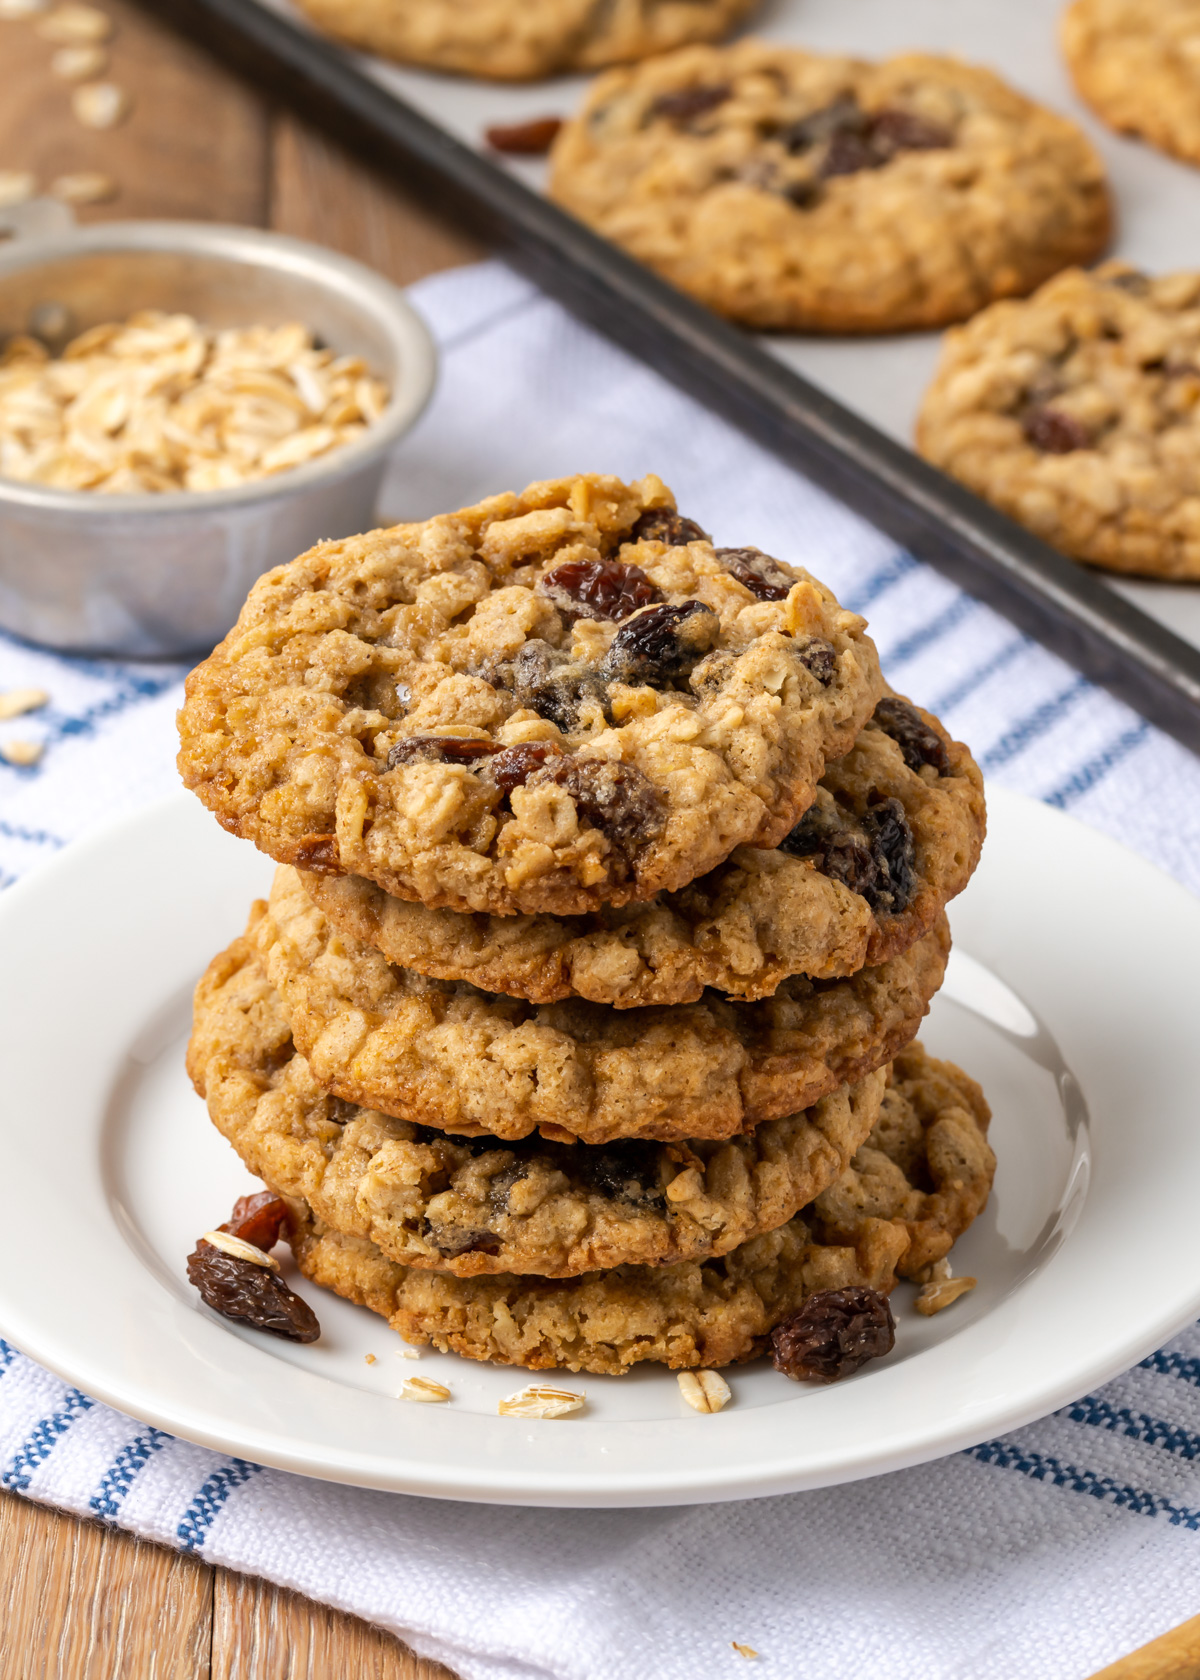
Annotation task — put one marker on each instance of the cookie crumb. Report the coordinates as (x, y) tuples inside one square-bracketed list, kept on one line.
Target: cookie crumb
[(407, 1353), (420, 1388), (371, 1360), (17, 186), (942, 1293), (745, 1650), (100, 104), (22, 753), (704, 1391), (538, 1401)]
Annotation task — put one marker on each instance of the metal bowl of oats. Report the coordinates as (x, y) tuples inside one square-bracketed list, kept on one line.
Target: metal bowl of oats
[(182, 407)]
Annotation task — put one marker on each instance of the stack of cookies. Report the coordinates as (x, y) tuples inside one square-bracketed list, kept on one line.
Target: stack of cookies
[(578, 1028)]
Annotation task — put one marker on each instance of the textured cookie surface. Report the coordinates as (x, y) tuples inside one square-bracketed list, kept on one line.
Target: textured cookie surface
[(909, 1193), (445, 1054), (1077, 411), (894, 833), (544, 703), (793, 190), (1137, 63), (468, 1206)]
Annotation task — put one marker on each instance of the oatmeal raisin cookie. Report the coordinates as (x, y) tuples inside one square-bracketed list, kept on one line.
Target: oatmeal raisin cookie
[(1137, 63)]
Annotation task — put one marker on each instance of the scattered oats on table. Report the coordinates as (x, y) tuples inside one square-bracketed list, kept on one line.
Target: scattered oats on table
[(162, 403), (75, 25), (15, 701), (86, 187), (17, 186), (23, 754), (100, 104), (423, 1390), (539, 1401), (81, 63), (11, 11)]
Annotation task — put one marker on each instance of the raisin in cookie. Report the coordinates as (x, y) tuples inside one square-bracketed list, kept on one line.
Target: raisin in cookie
[(515, 43), (1137, 63), (810, 193), (893, 835), (909, 1193), (1078, 413), (472, 1205), (445, 1054), (545, 703)]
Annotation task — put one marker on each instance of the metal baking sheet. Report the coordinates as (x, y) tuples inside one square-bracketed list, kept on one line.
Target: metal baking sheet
[(1091, 620)]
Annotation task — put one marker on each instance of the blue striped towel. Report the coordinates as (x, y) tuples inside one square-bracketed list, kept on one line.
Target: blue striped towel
[(1045, 1554)]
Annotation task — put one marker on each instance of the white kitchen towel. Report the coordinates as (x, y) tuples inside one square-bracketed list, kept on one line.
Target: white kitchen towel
[(1045, 1554)]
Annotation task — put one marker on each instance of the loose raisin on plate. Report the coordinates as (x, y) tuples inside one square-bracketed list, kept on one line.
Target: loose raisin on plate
[(615, 798), (760, 573), (918, 743), (692, 102), (890, 839), (835, 1332), (513, 767), (258, 1219), (244, 1290), (664, 525), (438, 749), (526, 139), (1054, 432), (606, 589), (661, 645)]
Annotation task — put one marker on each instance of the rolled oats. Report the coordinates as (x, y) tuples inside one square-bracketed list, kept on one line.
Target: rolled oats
[(100, 104), (22, 753), (747, 1651), (17, 186), (87, 187), (238, 1249), (161, 403), (704, 1391), (935, 1296), (79, 64), (540, 1402), (423, 1390), (19, 700), (74, 25)]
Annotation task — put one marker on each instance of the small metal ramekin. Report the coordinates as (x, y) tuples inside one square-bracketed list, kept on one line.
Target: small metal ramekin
[(164, 575)]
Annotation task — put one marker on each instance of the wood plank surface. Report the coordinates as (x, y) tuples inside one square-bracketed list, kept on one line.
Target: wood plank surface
[(79, 1601)]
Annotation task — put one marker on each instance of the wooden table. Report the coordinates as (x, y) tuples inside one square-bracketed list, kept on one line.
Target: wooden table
[(79, 1601)]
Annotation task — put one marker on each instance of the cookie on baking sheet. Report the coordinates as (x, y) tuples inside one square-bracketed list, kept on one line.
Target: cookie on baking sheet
[(472, 1205), (894, 834), (506, 42), (914, 1188), (1077, 411), (443, 1053), (544, 703), (793, 190), (1137, 63)]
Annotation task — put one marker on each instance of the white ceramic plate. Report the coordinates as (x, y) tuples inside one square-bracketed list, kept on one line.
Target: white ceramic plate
[(1071, 996)]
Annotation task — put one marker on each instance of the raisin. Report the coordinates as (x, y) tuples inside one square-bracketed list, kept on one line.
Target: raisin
[(890, 839), (661, 645), (604, 589), (513, 767), (342, 1112), (692, 102), (438, 749), (241, 1289), (258, 1219), (1132, 281), (545, 680), (762, 575), (318, 853), (526, 139), (838, 850), (835, 1332), (664, 525), (818, 657), (845, 114), (451, 1241), (803, 194), (621, 1172), (617, 799), (1054, 432), (502, 1183), (917, 741), (850, 153), (904, 131)]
